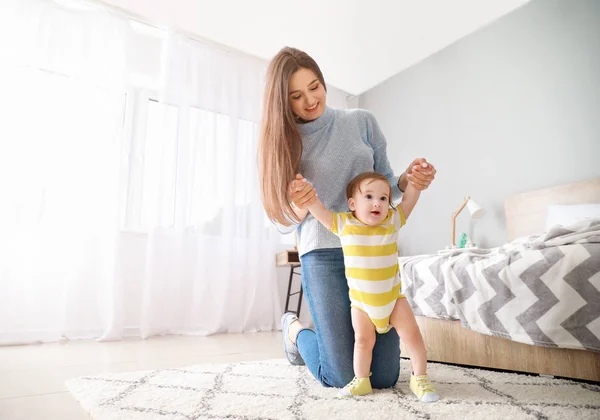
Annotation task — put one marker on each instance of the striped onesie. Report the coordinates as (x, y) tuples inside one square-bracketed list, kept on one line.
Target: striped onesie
[(371, 260)]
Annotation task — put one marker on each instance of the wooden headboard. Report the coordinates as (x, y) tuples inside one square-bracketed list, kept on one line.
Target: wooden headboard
[(526, 212)]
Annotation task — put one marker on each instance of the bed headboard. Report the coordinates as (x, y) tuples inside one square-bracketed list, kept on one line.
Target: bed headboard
[(526, 212)]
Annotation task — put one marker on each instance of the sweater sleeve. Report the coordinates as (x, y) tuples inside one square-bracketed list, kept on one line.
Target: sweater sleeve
[(284, 230), (376, 140)]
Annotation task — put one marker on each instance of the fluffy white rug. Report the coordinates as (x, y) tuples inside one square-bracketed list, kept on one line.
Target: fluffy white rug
[(275, 390)]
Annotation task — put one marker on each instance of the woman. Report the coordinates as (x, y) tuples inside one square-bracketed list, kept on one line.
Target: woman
[(305, 148)]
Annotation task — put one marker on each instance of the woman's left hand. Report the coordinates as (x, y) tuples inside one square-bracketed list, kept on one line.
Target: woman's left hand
[(420, 173)]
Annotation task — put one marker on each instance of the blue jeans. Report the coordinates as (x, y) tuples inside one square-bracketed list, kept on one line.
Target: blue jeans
[(328, 350)]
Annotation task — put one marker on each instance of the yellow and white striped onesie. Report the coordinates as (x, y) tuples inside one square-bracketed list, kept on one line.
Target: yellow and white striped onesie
[(371, 259)]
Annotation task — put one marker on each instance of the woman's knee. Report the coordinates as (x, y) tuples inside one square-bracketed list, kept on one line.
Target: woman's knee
[(385, 379), (337, 379), (386, 361)]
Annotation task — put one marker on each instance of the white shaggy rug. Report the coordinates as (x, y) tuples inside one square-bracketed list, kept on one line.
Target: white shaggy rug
[(275, 390)]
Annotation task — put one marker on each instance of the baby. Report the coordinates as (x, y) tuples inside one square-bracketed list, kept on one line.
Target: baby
[(369, 234)]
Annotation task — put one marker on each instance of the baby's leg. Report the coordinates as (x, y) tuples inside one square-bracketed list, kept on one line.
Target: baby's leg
[(364, 341), (404, 321)]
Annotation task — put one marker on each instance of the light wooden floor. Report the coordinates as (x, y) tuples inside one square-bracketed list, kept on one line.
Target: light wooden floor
[(32, 377)]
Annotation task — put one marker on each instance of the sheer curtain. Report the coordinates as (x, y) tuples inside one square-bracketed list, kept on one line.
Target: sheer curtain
[(129, 204), (207, 226)]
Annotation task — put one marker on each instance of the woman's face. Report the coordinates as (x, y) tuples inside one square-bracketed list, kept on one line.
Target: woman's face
[(307, 95)]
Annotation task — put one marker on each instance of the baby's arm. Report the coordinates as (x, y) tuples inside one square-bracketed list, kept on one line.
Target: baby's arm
[(321, 213), (409, 199)]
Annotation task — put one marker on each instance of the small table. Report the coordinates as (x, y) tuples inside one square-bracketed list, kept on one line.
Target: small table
[(291, 259)]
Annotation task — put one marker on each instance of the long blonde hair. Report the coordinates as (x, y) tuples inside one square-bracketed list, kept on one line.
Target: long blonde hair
[(280, 145)]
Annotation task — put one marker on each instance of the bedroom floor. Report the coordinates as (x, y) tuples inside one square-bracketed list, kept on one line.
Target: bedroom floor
[(32, 377)]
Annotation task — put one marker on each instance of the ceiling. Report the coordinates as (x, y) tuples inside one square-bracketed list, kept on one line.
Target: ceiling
[(357, 43)]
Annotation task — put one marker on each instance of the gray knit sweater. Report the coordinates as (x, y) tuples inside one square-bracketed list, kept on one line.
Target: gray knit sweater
[(337, 146)]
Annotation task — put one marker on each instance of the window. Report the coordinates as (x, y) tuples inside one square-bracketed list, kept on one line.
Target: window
[(159, 166), (59, 147), (181, 163), (91, 149)]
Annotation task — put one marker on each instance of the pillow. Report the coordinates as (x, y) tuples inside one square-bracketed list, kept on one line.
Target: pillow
[(568, 214)]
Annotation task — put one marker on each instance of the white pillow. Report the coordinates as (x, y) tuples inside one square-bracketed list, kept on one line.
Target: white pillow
[(568, 214)]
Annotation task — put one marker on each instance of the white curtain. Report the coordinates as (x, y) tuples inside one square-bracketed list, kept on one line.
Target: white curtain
[(128, 186), (208, 229)]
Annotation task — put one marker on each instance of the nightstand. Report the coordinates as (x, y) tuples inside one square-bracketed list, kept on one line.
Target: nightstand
[(291, 259)]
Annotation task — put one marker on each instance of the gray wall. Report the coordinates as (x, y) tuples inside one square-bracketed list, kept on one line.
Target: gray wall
[(511, 108)]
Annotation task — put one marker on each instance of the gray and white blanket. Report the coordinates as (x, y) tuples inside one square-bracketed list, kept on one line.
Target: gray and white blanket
[(541, 290)]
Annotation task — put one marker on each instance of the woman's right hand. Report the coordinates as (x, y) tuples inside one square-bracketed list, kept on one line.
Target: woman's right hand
[(301, 193)]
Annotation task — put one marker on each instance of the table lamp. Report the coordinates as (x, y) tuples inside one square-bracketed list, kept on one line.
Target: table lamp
[(476, 211)]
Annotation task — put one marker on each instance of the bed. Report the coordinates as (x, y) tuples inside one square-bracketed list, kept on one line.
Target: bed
[(455, 333)]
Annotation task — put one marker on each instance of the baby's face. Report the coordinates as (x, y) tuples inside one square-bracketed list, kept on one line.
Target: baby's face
[(371, 201)]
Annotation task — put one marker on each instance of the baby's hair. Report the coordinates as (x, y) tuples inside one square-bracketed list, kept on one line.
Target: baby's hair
[(354, 185)]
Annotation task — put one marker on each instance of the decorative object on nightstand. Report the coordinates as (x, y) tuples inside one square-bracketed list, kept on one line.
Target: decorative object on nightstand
[(475, 210), (463, 240)]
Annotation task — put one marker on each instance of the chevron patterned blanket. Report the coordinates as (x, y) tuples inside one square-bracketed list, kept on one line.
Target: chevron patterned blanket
[(542, 290)]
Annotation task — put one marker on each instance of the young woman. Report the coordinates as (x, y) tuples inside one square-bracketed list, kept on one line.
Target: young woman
[(329, 147)]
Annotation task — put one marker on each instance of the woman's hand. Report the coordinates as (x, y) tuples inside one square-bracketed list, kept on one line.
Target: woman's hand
[(419, 173), (301, 193)]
